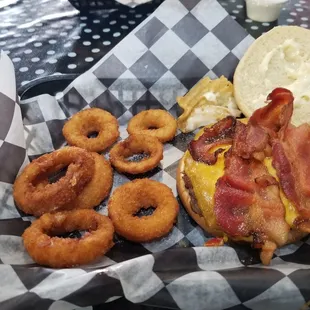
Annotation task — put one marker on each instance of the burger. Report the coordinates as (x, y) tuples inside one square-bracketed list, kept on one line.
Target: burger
[(248, 180)]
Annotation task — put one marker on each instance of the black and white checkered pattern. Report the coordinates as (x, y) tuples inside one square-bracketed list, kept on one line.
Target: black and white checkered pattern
[(12, 143), (162, 58)]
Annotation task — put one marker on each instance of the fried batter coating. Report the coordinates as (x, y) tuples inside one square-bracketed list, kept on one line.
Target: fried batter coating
[(96, 190), (89, 121), (133, 145), (37, 200), (47, 249), (139, 194), (157, 123)]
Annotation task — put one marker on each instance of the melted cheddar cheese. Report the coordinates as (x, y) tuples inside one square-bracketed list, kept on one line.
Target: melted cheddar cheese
[(204, 177)]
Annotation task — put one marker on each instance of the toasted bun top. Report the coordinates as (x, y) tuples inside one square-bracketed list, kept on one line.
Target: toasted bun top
[(279, 58)]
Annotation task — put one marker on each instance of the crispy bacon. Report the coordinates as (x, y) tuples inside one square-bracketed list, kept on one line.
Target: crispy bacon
[(284, 171), (253, 140), (291, 160), (247, 201), (247, 197), (231, 207), (266, 180), (214, 242), (220, 133), (276, 114), (249, 141), (297, 146), (290, 150)]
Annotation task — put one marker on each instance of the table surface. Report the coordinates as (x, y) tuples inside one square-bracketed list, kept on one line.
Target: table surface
[(45, 37)]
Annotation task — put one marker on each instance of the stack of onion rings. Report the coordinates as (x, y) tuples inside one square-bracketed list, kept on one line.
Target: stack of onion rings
[(157, 123), (88, 181), (139, 194), (96, 190), (59, 252), (136, 144), (89, 121), (37, 200)]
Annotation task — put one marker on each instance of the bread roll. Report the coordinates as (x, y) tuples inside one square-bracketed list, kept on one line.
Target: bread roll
[(279, 58)]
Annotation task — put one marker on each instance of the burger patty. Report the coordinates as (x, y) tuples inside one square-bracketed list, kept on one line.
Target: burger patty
[(193, 201)]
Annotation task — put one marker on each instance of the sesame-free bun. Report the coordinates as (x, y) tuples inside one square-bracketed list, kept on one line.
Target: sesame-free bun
[(251, 82)]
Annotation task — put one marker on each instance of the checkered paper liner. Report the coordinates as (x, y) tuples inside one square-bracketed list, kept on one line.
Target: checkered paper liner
[(162, 58)]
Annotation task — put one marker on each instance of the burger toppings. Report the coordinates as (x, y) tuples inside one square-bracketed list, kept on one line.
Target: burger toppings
[(254, 139), (245, 207), (250, 141), (247, 197), (291, 160), (290, 149), (254, 198), (214, 242), (220, 133), (275, 116)]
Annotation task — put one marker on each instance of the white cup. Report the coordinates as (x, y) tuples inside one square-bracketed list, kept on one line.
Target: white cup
[(264, 10)]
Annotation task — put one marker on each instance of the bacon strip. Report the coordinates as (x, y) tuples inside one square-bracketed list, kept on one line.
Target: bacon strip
[(253, 140), (233, 197), (277, 114), (247, 202), (249, 141), (292, 162), (284, 171), (214, 242), (247, 197), (220, 133), (266, 180)]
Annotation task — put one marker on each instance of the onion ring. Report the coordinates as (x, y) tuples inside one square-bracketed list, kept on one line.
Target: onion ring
[(136, 144), (37, 200), (139, 194), (93, 120), (163, 122), (96, 190), (59, 252)]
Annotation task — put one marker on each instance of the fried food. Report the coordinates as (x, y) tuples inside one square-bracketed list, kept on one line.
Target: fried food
[(157, 123), (206, 103), (84, 123), (37, 200), (45, 248), (96, 190), (128, 199), (134, 145), (243, 180)]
